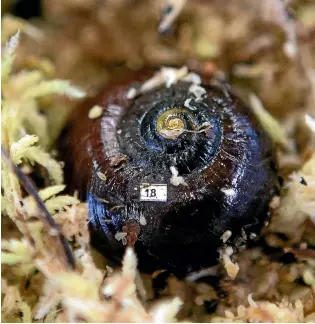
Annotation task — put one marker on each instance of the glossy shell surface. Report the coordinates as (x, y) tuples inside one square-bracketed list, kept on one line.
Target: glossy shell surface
[(208, 152)]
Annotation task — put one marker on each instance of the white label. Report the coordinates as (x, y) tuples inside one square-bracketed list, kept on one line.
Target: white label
[(153, 192)]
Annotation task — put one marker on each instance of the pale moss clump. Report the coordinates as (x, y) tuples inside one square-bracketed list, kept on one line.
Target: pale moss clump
[(21, 92), (21, 114), (62, 294), (262, 312), (269, 123), (11, 303), (82, 295), (52, 202), (16, 252), (298, 203)]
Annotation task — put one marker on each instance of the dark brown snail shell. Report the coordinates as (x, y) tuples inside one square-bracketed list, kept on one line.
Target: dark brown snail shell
[(228, 169)]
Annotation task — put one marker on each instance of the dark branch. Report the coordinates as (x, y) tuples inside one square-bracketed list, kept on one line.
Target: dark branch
[(45, 216)]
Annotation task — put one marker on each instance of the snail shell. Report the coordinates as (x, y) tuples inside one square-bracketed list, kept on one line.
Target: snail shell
[(205, 150)]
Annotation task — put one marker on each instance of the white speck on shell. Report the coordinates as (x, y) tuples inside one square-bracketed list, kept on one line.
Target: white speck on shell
[(187, 104), (167, 77), (176, 180), (132, 92), (121, 236), (142, 220), (198, 91), (95, 112), (229, 191), (102, 176)]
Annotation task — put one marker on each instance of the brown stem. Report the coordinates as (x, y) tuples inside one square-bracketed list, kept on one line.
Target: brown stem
[(44, 216)]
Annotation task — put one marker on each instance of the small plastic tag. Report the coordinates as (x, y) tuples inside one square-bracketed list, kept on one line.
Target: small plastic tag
[(153, 192)]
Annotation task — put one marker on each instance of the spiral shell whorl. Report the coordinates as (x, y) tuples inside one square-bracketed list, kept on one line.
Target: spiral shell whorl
[(142, 138)]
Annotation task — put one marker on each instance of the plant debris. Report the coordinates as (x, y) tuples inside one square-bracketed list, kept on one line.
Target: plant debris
[(95, 112), (166, 76)]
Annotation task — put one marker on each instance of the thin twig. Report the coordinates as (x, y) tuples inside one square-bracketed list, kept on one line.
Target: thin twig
[(170, 12), (45, 216)]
